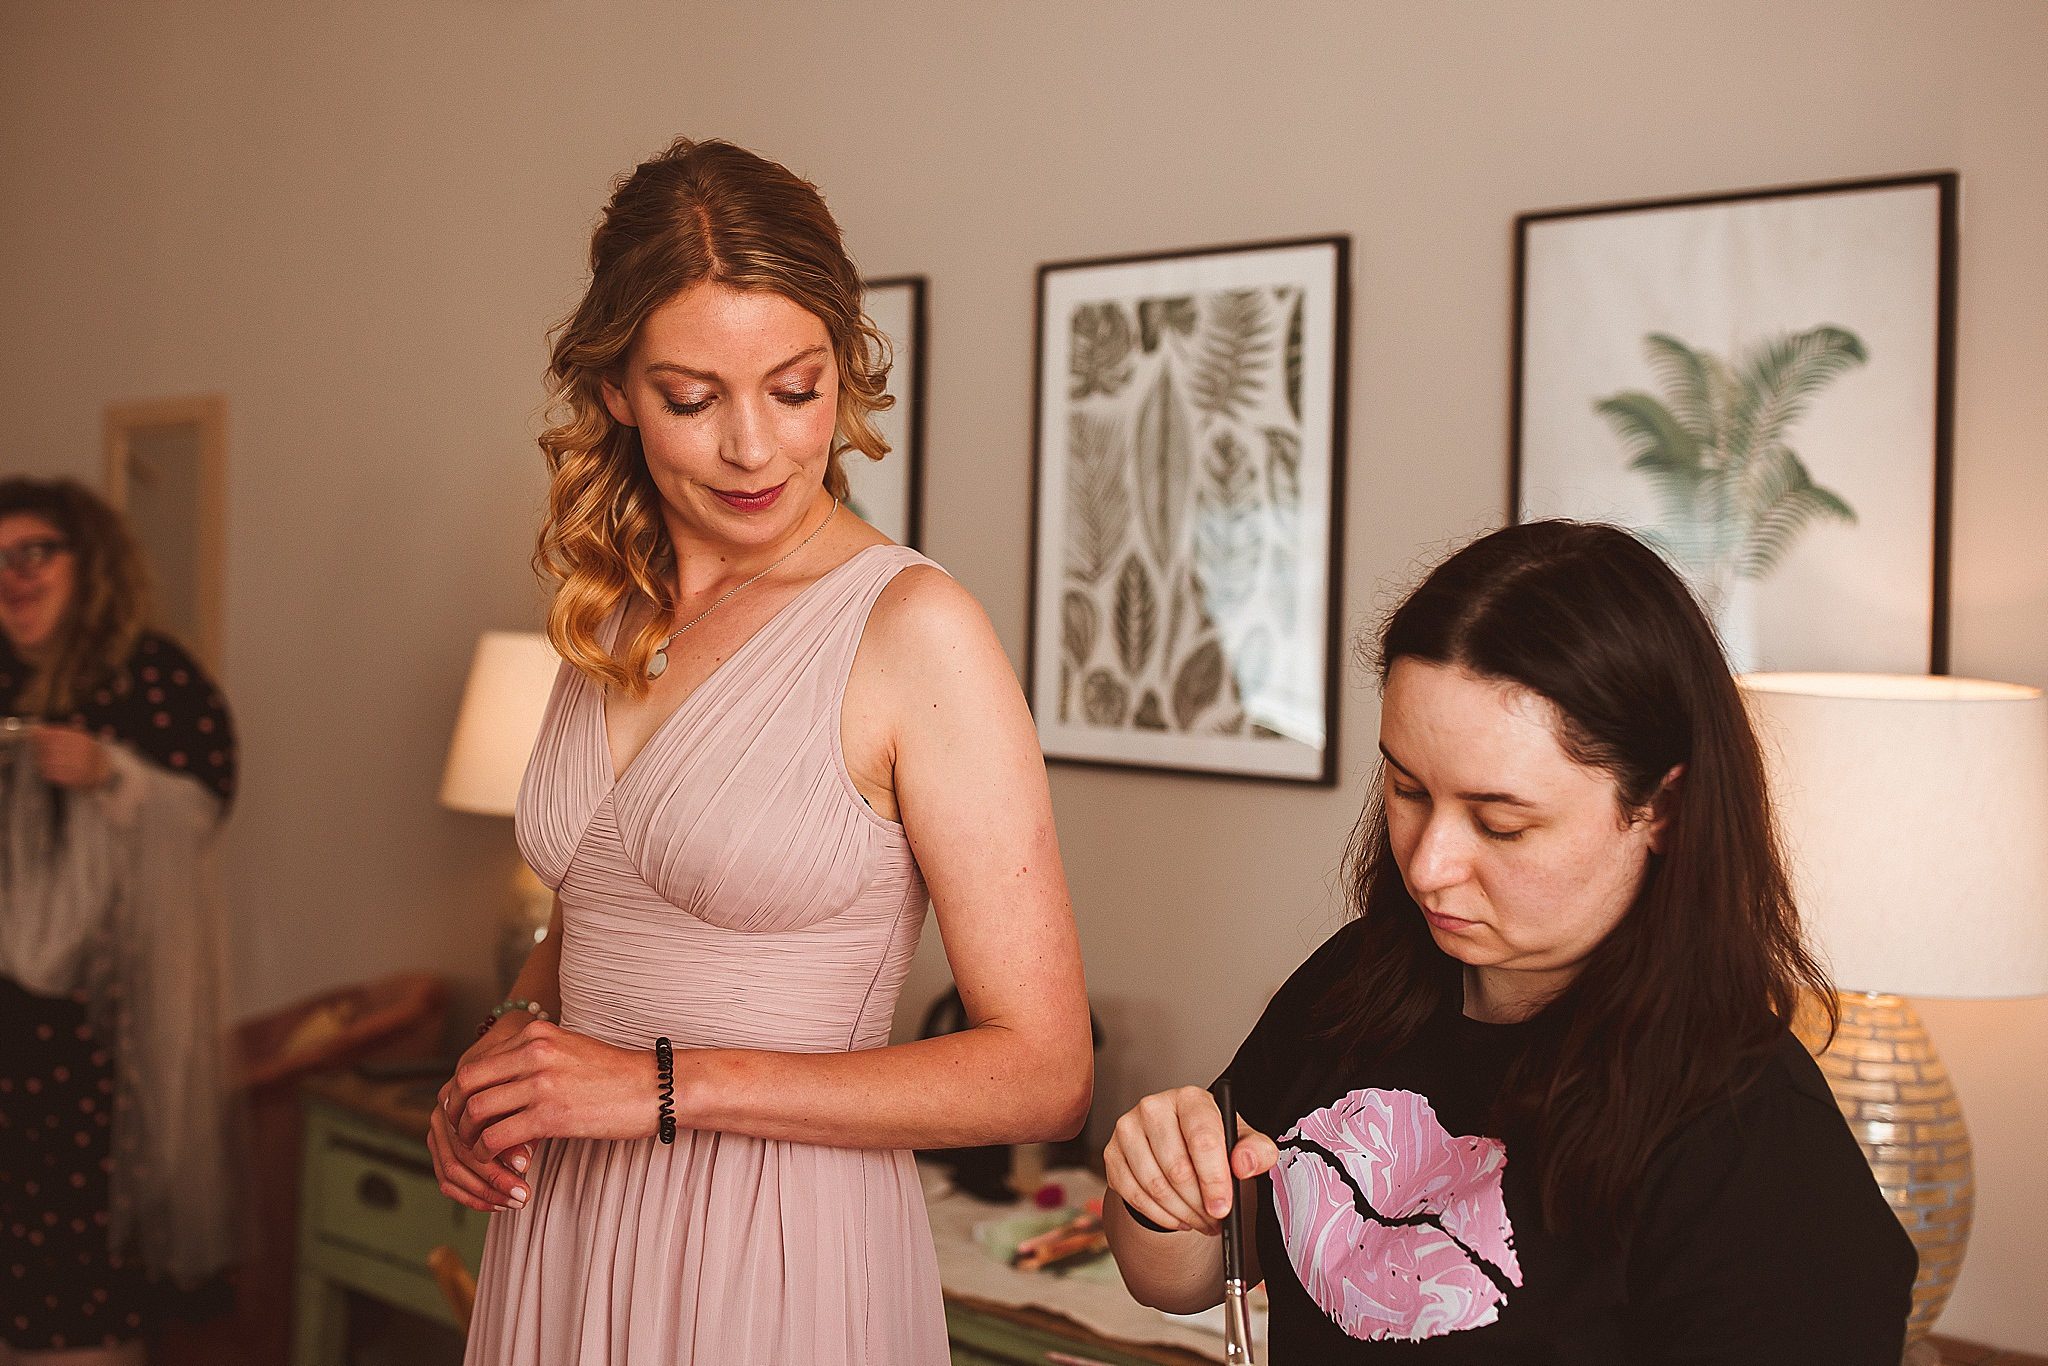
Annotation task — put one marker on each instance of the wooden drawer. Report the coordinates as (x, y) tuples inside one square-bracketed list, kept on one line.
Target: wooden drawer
[(372, 1192)]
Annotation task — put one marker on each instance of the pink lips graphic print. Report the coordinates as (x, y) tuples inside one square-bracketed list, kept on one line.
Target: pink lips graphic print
[(1396, 1229)]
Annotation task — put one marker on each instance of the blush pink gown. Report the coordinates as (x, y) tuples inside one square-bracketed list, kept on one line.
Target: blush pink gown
[(730, 889)]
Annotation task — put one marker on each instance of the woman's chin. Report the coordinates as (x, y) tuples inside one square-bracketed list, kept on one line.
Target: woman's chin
[(1471, 947)]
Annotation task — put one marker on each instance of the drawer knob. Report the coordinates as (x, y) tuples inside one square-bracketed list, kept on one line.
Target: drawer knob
[(376, 1190)]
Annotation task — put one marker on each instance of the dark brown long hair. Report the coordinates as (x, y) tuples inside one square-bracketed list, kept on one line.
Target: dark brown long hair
[(1698, 982), (700, 211), (110, 597)]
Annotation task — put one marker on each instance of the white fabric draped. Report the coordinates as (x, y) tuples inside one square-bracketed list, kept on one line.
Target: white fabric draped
[(116, 895)]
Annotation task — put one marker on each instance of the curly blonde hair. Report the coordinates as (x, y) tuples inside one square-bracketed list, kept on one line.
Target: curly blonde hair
[(109, 601), (699, 211)]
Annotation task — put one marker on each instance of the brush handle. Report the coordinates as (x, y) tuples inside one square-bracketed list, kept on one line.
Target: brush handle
[(1233, 1227)]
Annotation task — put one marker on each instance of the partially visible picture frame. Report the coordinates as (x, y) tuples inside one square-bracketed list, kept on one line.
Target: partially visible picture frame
[(166, 472), (1188, 490), (1761, 384), (889, 493)]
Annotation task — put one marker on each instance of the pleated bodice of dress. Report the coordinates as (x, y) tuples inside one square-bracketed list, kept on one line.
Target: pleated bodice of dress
[(731, 889)]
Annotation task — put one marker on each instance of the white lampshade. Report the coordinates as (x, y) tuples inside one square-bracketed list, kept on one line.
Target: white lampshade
[(1915, 812), (509, 682)]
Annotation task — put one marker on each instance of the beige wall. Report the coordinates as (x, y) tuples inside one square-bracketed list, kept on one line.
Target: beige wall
[(357, 219)]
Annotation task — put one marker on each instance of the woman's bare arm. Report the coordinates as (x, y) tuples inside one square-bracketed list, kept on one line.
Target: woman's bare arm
[(483, 1181), (970, 787)]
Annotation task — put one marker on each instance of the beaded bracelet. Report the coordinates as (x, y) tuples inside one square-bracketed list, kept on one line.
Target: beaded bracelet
[(665, 1075), (505, 1007)]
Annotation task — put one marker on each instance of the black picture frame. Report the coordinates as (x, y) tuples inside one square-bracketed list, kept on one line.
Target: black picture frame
[(1316, 384), (1933, 268), (894, 503)]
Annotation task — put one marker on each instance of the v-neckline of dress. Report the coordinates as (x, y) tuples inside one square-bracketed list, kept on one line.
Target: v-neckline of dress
[(619, 776)]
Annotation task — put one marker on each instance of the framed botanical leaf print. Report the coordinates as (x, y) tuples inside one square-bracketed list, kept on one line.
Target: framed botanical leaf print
[(1761, 385), (1188, 438)]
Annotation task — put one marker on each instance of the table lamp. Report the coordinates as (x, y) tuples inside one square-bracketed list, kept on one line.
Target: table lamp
[(510, 678), (1915, 814)]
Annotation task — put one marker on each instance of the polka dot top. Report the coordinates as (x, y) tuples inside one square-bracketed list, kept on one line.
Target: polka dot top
[(162, 705)]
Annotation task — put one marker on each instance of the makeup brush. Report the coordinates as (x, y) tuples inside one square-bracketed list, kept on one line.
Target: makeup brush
[(1237, 1324)]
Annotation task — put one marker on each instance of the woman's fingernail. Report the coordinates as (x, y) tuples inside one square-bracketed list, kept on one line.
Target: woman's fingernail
[(519, 1195), (519, 1163)]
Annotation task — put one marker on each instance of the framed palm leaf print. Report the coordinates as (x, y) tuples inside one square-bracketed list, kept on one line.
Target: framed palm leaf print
[(1188, 439), (1760, 385)]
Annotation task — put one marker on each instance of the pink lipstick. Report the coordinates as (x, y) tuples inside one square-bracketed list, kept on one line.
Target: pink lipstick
[(759, 501)]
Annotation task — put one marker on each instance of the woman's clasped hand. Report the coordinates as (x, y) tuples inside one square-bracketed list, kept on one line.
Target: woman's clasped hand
[(524, 1080)]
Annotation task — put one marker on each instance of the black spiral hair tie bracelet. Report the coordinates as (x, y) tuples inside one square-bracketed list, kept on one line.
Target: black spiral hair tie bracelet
[(665, 1071), (1145, 1221)]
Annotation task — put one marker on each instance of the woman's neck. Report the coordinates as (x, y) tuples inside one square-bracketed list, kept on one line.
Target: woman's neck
[(1502, 996), (704, 567)]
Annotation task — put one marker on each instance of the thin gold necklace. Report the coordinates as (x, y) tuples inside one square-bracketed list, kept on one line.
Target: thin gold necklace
[(658, 665)]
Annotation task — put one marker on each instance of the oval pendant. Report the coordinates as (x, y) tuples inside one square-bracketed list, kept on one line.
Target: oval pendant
[(658, 665)]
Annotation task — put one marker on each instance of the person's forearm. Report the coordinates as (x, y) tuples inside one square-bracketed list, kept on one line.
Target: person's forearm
[(1180, 1273), (541, 979), (984, 1085)]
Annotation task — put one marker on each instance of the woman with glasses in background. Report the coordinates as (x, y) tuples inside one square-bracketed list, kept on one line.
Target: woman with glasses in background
[(117, 766)]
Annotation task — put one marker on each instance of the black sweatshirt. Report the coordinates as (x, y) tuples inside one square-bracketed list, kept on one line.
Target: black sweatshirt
[(1397, 1228)]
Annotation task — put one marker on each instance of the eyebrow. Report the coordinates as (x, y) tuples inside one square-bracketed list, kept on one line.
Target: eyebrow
[(1476, 798), (672, 368)]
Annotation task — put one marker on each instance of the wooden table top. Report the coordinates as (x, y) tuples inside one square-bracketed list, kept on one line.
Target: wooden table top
[(402, 1105)]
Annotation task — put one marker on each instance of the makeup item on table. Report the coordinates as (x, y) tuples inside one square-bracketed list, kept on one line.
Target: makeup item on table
[(1027, 1168), (1237, 1322), (1078, 1240)]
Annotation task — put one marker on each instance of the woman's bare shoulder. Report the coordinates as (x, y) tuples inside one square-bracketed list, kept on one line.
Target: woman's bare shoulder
[(929, 667), (925, 614)]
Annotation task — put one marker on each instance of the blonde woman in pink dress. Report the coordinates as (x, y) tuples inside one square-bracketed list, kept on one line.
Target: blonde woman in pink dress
[(775, 735)]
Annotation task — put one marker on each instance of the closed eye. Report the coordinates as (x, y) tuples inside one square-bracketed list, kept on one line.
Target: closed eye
[(691, 409), (1417, 796)]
